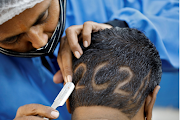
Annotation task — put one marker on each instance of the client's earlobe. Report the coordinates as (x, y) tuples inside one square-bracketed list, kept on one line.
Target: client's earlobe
[(68, 105), (149, 103)]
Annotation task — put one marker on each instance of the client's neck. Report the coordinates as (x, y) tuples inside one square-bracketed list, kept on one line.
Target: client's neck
[(98, 113)]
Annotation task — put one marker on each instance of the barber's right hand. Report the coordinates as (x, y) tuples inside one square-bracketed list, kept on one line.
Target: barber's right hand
[(36, 112)]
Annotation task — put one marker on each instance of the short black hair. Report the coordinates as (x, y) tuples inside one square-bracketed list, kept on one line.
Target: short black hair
[(119, 69)]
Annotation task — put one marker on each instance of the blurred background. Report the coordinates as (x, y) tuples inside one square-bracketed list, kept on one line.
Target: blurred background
[(167, 102)]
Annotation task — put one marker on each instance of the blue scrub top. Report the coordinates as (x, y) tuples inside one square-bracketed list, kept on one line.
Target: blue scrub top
[(26, 80)]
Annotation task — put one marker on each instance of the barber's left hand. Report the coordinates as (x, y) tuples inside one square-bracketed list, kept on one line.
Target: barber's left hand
[(71, 43)]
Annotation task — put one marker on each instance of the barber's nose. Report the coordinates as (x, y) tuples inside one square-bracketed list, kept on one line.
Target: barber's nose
[(37, 36)]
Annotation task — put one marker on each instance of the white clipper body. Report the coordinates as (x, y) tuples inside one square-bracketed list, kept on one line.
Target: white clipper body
[(63, 95)]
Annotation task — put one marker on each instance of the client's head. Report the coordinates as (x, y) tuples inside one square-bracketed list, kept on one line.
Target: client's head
[(117, 77)]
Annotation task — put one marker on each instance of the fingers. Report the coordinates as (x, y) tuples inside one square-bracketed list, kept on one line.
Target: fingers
[(86, 33), (58, 78), (29, 118), (86, 29), (37, 109), (65, 60), (72, 34)]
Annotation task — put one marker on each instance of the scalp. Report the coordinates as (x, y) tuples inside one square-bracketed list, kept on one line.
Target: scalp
[(119, 69)]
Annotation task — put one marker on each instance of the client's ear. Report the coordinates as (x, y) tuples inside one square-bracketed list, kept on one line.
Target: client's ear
[(149, 103), (68, 105)]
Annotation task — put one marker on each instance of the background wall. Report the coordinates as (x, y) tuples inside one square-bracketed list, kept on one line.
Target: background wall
[(167, 101)]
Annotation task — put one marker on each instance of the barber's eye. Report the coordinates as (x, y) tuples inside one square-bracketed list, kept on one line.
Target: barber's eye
[(11, 40), (43, 19)]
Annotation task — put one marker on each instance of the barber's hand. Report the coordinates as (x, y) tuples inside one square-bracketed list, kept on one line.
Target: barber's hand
[(71, 43), (36, 112)]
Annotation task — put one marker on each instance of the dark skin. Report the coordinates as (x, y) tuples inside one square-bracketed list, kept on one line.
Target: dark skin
[(35, 112), (32, 29)]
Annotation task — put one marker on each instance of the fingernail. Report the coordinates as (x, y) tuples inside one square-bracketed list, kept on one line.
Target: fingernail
[(65, 80), (69, 78), (55, 114), (158, 89), (85, 44), (77, 54)]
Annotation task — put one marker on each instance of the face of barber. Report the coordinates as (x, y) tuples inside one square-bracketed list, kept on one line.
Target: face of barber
[(30, 29)]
